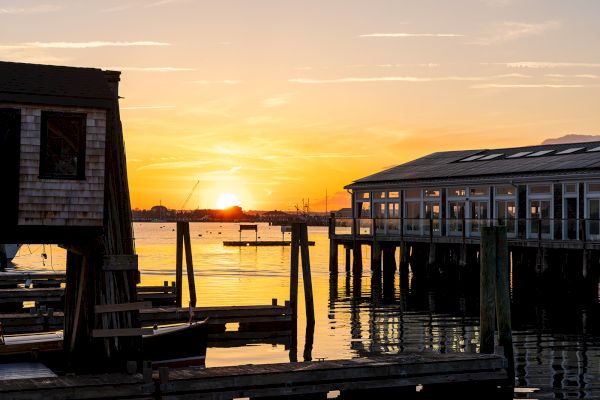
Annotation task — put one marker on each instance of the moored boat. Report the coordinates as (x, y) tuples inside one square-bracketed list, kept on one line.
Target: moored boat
[(10, 250)]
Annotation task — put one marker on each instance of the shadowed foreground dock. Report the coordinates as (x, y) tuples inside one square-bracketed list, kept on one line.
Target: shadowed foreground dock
[(474, 374)]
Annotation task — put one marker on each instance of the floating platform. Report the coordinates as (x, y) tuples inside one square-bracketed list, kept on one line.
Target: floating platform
[(244, 243), (446, 374)]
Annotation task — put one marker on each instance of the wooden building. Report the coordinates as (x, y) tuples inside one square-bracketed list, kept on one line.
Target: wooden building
[(548, 197), (64, 181)]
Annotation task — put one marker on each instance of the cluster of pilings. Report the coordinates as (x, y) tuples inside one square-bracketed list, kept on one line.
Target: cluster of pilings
[(424, 265)]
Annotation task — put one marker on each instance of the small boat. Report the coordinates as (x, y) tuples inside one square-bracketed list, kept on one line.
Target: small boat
[(176, 346)]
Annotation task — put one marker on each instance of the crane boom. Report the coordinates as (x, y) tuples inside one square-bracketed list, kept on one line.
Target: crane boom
[(189, 195)]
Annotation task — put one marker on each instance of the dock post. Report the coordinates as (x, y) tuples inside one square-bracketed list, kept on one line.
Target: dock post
[(333, 256), (503, 316), (189, 263), (306, 274), (357, 259), (376, 256), (179, 262), (295, 252), (348, 258), (487, 289)]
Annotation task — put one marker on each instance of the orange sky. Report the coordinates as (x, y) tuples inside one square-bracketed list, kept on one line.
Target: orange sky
[(276, 101)]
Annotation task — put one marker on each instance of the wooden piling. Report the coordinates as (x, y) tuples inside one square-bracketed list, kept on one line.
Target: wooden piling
[(503, 315), (348, 258), (179, 262), (189, 263), (295, 252), (376, 256), (306, 274), (333, 256), (357, 259), (487, 289)]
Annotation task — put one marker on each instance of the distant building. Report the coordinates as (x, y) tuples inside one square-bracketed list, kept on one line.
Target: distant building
[(547, 191)]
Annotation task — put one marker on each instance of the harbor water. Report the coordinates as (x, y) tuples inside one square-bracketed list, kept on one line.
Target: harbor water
[(556, 335)]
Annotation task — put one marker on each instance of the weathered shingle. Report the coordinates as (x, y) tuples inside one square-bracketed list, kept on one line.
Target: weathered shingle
[(448, 165), (49, 84)]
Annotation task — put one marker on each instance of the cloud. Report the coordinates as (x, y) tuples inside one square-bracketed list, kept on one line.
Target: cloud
[(152, 69), (174, 165), (530, 86), (277, 101), (139, 4), (497, 3), (145, 107), (78, 45), (405, 79), (405, 34), (314, 156), (510, 31), (222, 82), (546, 64), (40, 9)]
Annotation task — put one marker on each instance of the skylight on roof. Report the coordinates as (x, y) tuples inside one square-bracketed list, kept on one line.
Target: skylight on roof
[(472, 158), (540, 153), (490, 156), (595, 149), (570, 150), (519, 154)]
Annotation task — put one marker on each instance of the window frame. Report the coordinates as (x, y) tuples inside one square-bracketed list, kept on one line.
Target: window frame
[(81, 151)]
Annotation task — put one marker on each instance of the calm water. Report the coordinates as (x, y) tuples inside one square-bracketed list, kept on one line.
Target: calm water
[(556, 341)]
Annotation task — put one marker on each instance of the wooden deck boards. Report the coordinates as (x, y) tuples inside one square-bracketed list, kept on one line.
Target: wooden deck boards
[(282, 379)]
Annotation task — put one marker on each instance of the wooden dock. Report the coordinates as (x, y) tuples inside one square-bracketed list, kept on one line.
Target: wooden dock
[(248, 317), (474, 374), (243, 243)]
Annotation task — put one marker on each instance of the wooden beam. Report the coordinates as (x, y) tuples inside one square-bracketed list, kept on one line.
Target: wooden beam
[(104, 308), (120, 262), (104, 333)]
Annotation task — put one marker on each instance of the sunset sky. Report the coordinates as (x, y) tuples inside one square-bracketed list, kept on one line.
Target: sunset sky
[(275, 101)]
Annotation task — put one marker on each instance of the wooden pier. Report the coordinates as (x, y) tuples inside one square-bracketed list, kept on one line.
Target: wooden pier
[(237, 243), (431, 373)]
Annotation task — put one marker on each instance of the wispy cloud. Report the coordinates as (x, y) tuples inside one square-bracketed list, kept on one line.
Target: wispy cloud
[(527, 86), (221, 82), (546, 64), (78, 45), (405, 79), (510, 31), (146, 107), (407, 34), (314, 156), (152, 69), (277, 101), (140, 4), (40, 9), (174, 165)]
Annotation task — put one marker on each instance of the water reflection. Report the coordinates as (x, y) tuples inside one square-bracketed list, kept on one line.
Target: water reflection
[(556, 338)]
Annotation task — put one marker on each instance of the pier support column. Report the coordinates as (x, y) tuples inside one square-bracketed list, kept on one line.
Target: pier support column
[(348, 258), (333, 256), (357, 259), (389, 272), (404, 250), (376, 256)]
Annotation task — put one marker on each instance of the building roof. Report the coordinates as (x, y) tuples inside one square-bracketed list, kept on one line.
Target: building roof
[(54, 85), (570, 157)]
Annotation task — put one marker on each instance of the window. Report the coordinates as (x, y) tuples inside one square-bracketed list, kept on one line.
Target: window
[(519, 154), (479, 191), (539, 189), (412, 193), (393, 195), (363, 195), (571, 150), (457, 192), (594, 187), (505, 191), (379, 195), (431, 193), (570, 188), (62, 150), (540, 153), (491, 156)]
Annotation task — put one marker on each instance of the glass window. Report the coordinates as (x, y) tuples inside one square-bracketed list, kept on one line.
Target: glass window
[(479, 191), (594, 187), (571, 188), (363, 195), (457, 192), (393, 195), (431, 193), (505, 191), (540, 189), (412, 193), (379, 195), (62, 145)]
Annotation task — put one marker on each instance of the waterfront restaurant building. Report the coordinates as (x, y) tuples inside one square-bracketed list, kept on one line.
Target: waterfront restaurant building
[(547, 193)]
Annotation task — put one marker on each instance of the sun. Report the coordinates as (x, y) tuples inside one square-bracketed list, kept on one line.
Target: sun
[(226, 200)]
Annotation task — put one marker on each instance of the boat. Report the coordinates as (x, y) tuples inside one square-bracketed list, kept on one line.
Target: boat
[(176, 346), (10, 250)]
